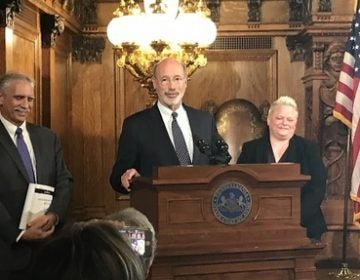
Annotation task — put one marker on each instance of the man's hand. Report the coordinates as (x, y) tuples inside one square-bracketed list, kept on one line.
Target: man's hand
[(40, 228), (127, 177)]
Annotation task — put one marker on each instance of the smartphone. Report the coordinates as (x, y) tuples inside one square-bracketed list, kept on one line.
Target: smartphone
[(140, 240)]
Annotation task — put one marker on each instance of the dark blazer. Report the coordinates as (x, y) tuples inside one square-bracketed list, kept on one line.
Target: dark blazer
[(50, 170), (144, 143), (307, 154)]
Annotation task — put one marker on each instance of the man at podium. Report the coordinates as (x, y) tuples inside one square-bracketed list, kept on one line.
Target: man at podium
[(165, 134)]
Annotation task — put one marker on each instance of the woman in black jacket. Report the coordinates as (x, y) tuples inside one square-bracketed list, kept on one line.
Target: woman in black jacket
[(280, 144)]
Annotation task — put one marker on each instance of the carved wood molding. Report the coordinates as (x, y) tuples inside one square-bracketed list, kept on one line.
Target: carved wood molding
[(51, 27), (88, 48), (8, 9), (318, 49), (320, 125), (325, 6), (254, 12), (214, 6), (333, 133), (87, 12), (299, 10), (297, 46)]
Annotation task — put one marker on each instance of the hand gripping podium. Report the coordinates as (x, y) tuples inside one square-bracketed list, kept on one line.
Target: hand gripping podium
[(227, 222)]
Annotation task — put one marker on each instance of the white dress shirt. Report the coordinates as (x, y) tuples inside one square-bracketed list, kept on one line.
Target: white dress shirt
[(11, 129), (183, 122)]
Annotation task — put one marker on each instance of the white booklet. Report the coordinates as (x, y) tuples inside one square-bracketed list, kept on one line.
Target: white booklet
[(37, 202)]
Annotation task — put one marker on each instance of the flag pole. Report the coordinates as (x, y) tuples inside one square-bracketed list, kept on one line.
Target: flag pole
[(345, 272)]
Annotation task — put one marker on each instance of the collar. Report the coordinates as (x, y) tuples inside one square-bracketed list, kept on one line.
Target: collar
[(165, 111), (10, 127)]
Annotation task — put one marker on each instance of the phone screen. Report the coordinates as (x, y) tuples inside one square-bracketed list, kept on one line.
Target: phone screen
[(137, 239)]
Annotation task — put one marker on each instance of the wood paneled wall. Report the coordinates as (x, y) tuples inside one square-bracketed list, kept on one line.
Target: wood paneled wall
[(85, 102), (21, 50)]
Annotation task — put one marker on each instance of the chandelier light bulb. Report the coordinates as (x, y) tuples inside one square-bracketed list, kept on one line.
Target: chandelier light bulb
[(202, 29), (206, 30), (112, 31), (158, 27)]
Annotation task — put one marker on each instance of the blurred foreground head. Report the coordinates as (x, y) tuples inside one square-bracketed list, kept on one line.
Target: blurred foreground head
[(132, 218), (89, 251)]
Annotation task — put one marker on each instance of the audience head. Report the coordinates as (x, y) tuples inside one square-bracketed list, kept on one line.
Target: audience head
[(170, 82), (132, 218), (282, 118), (89, 251), (16, 97)]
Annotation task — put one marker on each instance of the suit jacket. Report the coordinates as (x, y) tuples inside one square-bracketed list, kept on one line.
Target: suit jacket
[(50, 170), (307, 154), (144, 143)]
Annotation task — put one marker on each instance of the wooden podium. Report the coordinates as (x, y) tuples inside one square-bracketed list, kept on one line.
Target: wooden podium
[(227, 222)]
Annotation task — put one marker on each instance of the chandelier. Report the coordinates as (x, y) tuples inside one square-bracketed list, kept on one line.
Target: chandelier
[(167, 28)]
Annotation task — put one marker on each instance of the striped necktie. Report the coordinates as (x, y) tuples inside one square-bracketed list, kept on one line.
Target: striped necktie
[(179, 141)]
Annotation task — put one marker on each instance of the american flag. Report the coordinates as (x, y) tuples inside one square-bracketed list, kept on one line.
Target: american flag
[(347, 106)]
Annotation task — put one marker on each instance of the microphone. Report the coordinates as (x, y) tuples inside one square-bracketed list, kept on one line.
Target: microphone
[(222, 155)]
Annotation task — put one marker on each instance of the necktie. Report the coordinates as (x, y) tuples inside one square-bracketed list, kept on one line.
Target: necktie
[(179, 141), (24, 153)]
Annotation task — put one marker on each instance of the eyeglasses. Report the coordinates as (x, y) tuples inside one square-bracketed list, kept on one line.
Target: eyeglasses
[(165, 81)]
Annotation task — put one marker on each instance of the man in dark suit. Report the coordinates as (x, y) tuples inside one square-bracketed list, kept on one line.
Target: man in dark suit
[(280, 144), (48, 168), (147, 139)]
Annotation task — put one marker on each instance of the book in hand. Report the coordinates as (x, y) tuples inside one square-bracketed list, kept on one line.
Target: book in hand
[(37, 202)]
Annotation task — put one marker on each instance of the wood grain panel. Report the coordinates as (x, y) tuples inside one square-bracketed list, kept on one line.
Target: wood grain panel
[(59, 70), (77, 147), (3, 31), (186, 210), (109, 133), (92, 135), (97, 93), (248, 74), (274, 207), (24, 54)]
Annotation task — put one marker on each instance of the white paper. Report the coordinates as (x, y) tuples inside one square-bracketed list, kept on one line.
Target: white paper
[(37, 202)]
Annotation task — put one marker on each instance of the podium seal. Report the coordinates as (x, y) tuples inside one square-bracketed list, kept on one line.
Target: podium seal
[(231, 203)]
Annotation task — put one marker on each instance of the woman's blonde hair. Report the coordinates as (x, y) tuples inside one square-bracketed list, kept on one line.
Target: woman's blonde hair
[(283, 100)]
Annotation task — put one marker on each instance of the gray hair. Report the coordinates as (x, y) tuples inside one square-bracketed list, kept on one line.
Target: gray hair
[(8, 78), (284, 100)]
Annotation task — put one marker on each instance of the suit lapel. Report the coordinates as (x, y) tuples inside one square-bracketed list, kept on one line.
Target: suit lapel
[(292, 151), (9, 146), (264, 149)]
